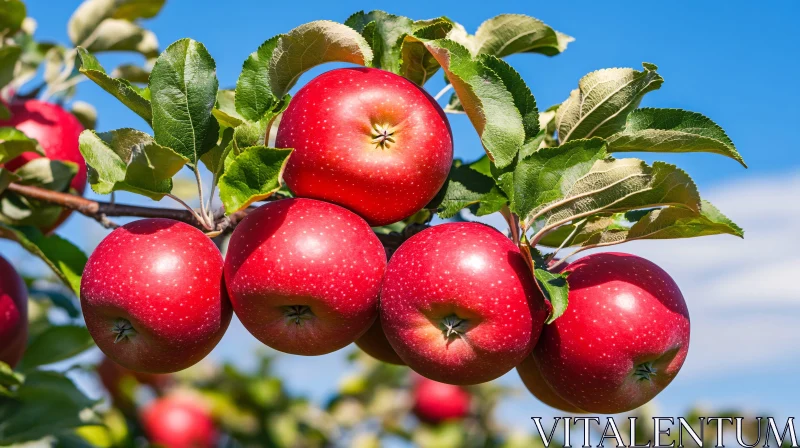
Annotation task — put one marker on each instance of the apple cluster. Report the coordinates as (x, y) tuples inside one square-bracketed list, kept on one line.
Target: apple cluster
[(307, 275)]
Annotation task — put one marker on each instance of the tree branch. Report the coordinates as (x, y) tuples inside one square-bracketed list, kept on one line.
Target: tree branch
[(100, 211)]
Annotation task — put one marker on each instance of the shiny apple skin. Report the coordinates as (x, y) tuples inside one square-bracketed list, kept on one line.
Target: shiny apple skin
[(436, 402), (624, 311), (532, 379), (57, 132), (308, 254), (465, 271), (13, 314), (375, 344), (164, 277), (177, 422), (331, 122)]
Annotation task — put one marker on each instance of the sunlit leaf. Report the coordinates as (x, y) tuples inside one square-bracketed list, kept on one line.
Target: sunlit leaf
[(507, 34), (672, 130), (252, 176), (55, 344), (64, 258), (183, 89), (603, 100), (135, 98), (130, 160)]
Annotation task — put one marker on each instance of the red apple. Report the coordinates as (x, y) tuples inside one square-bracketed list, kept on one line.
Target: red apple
[(179, 422), (153, 297), (623, 338), (13, 314), (57, 132), (459, 304), (304, 275), (366, 139), (116, 379), (374, 343), (436, 402), (532, 379)]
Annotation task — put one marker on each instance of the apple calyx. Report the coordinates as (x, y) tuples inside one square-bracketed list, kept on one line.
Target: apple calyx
[(297, 313), (645, 371), (123, 329), (453, 326), (382, 136)]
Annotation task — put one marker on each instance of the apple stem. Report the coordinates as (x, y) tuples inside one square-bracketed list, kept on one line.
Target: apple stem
[(297, 313), (123, 329), (513, 223), (453, 326), (645, 371)]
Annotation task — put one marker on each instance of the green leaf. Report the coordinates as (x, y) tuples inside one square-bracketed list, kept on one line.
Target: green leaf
[(254, 97), (130, 160), (8, 377), (252, 176), (55, 344), (512, 33), (85, 113), (485, 99), (47, 403), (603, 100), (225, 109), (555, 288), (523, 98), (136, 99), (53, 175), (86, 18), (270, 72), (384, 33), (466, 186), (5, 114), (662, 223), (6, 177), (417, 63), (122, 35), (620, 185), (548, 174), (214, 160), (233, 141), (183, 86), (137, 9), (312, 44), (8, 62), (91, 15), (58, 298), (132, 73), (672, 130), (14, 142), (12, 13), (63, 257)]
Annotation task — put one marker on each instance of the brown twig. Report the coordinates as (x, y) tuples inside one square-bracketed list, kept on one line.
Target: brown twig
[(100, 211)]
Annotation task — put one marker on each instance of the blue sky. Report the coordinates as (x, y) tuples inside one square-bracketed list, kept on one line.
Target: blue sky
[(734, 61)]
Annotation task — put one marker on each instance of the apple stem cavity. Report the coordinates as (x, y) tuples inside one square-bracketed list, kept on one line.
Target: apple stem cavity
[(382, 136), (123, 329), (297, 313), (453, 326), (645, 371)]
